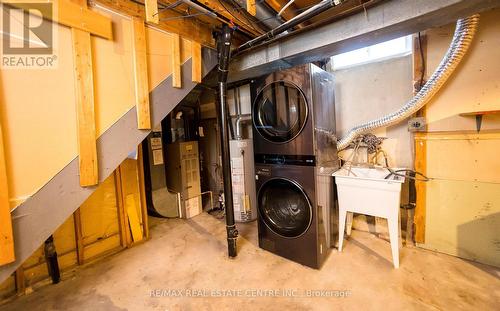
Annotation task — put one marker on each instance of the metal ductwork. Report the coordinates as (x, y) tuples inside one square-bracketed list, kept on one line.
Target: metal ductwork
[(462, 39), (302, 17)]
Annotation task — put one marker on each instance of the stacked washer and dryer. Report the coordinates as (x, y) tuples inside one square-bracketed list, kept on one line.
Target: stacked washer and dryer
[(294, 162)]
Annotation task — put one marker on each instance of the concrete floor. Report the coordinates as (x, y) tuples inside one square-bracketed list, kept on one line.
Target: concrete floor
[(191, 255)]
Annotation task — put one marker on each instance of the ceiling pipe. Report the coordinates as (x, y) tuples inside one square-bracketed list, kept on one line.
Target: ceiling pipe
[(263, 13), (199, 8), (289, 3), (302, 17)]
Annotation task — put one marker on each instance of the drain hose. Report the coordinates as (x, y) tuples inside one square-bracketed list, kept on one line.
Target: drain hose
[(462, 39)]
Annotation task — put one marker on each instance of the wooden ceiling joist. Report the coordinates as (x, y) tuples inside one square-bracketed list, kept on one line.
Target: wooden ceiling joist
[(74, 15), (152, 15), (189, 28), (236, 15), (251, 8)]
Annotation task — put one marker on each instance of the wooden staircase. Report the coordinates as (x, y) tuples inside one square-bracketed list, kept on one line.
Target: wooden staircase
[(40, 215)]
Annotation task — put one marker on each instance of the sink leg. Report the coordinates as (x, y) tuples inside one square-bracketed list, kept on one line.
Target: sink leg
[(342, 219), (393, 223)]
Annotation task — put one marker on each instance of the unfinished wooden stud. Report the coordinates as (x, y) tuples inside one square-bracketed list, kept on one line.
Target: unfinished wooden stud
[(142, 191), (176, 61), (87, 148), (77, 219), (133, 218), (125, 237), (152, 15), (6, 235), (196, 62), (419, 65), (420, 208), (20, 281), (141, 75), (251, 8), (76, 15)]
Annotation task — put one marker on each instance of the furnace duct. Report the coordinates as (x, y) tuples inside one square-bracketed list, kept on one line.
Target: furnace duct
[(462, 39)]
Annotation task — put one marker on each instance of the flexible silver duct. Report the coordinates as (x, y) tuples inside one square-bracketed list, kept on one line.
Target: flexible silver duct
[(464, 33)]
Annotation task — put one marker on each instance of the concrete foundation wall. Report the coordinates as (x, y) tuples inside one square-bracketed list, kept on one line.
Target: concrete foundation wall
[(369, 91)]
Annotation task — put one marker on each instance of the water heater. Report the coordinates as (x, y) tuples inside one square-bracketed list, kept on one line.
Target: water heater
[(243, 177)]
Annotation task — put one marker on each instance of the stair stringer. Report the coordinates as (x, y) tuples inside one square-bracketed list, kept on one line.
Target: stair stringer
[(40, 215)]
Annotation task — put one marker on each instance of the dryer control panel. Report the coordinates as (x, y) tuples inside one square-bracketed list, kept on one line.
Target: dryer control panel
[(281, 159)]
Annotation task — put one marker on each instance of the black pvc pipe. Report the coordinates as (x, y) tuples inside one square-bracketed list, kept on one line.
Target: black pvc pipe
[(302, 17), (224, 48), (51, 260)]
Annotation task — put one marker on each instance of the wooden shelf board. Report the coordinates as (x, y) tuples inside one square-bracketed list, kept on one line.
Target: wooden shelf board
[(479, 113)]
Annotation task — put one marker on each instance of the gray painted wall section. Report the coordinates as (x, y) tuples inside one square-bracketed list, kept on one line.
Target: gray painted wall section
[(370, 91), (382, 22), (40, 215)]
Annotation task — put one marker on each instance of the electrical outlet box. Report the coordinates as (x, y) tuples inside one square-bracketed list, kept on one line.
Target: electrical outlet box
[(416, 124)]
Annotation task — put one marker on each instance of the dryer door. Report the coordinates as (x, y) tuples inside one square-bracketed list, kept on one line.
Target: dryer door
[(284, 207), (280, 112)]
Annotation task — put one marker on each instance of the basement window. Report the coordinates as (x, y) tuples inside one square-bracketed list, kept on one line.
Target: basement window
[(394, 48)]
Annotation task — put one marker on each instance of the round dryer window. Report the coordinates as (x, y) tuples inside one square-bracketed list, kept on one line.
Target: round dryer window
[(284, 207), (280, 112)]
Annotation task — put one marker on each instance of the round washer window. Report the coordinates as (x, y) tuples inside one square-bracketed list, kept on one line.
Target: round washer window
[(280, 112), (284, 207)]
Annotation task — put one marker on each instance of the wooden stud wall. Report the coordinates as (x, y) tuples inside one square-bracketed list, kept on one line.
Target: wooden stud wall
[(420, 166), (196, 64), (141, 75), (142, 192), (419, 71), (87, 149), (75, 14), (6, 236), (152, 15), (77, 218), (84, 237), (176, 61), (251, 9), (8, 287), (20, 281), (186, 27), (84, 23)]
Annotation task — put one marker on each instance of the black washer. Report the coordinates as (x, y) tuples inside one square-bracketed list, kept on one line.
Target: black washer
[(284, 207)]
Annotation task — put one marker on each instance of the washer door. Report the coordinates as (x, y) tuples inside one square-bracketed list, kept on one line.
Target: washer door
[(284, 207), (280, 112)]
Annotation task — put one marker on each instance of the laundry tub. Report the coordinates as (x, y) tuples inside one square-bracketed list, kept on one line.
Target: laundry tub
[(366, 191)]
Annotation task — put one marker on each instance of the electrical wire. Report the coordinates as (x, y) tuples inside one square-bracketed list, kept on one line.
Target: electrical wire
[(228, 10), (406, 175), (236, 9), (289, 3)]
